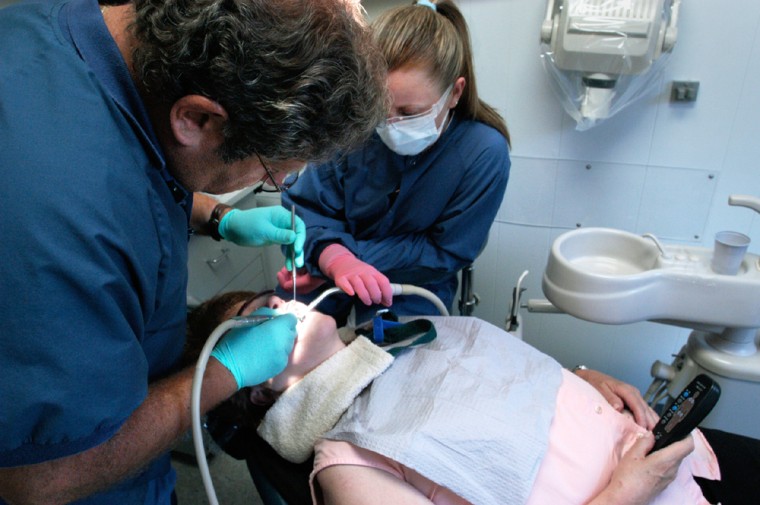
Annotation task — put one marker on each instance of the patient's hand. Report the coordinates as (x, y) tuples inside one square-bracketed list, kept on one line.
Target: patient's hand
[(621, 396), (639, 478)]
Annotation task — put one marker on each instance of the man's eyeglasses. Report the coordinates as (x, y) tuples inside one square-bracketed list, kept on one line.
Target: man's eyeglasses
[(286, 184)]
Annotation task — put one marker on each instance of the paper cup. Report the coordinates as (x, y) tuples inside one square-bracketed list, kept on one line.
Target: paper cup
[(730, 247)]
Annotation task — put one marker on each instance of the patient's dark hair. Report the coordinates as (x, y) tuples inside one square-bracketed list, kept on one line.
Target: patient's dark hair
[(203, 319)]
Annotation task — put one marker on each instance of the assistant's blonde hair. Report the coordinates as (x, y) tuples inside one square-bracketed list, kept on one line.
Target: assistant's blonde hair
[(439, 41)]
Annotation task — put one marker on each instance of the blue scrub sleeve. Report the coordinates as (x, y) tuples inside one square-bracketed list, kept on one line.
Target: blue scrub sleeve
[(86, 252), (447, 242), (459, 233)]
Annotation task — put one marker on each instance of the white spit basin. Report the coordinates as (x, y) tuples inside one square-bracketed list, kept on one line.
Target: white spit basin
[(616, 277)]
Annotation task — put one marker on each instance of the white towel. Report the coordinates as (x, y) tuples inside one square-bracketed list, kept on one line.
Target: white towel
[(312, 406)]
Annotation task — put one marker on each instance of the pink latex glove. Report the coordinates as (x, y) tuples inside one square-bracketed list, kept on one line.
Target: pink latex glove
[(305, 283), (354, 276)]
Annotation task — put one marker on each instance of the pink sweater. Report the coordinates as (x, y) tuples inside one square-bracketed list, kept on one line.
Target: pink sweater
[(585, 426)]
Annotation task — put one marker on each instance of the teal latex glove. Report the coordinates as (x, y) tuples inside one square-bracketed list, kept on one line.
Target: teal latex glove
[(256, 353), (264, 226), (288, 261)]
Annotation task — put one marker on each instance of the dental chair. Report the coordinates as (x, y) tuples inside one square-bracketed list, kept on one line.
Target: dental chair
[(468, 299)]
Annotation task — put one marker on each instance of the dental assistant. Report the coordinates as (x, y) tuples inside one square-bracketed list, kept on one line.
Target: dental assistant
[(415, 204), (113, 119)]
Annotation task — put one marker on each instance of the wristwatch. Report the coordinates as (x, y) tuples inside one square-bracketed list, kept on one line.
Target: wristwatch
[(216, 217)]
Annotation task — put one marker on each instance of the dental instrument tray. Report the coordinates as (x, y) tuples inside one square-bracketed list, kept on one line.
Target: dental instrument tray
[(686, 411)]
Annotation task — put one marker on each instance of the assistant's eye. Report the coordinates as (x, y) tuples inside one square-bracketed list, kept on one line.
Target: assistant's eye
[(411, 112)]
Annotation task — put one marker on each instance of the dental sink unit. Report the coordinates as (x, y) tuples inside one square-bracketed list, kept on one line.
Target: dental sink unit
[(611, 276), (615, 277)]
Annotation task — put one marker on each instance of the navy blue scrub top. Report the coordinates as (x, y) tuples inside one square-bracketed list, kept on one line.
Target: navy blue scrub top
[(94, 270), (417, 219)]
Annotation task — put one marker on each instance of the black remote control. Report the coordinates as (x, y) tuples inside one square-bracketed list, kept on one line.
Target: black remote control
[(686, 411)]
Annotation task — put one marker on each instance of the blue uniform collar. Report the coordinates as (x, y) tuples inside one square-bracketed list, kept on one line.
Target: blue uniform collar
[(82, 23)]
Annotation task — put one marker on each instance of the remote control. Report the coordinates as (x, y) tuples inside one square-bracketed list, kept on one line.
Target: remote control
[(686, 411)]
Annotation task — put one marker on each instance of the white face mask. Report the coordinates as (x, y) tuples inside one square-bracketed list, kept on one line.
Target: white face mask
[(411, 135)]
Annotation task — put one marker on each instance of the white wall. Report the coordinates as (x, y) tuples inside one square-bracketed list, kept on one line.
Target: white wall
[(655, 167)]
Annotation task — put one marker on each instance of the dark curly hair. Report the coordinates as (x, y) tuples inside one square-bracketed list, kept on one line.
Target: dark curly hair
[(300, 79)]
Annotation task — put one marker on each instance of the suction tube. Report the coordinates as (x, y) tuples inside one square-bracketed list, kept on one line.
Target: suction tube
[(321, 297), (408, 289), (398, 289), (195, 398)]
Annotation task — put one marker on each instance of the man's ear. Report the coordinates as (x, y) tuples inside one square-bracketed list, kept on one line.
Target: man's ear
[(196, 120)]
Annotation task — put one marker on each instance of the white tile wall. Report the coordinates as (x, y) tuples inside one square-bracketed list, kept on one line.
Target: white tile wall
[(676, 203), (616, 190)]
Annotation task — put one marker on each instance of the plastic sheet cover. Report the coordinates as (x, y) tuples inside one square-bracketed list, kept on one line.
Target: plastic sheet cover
[(603, 55)]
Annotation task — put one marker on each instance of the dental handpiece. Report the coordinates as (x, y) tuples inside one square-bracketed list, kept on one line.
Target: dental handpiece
[(250, 320)]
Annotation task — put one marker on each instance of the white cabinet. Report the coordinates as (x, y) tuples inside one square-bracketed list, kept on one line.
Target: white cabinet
[(218, 267)]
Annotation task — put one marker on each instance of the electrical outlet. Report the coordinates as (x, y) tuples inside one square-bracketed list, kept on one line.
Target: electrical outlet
[(684, 91)]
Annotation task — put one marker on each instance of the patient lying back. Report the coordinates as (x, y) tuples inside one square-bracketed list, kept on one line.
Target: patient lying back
[(592, 453)]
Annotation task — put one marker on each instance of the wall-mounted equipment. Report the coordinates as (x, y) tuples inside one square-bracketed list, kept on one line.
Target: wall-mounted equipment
[(604, 54)]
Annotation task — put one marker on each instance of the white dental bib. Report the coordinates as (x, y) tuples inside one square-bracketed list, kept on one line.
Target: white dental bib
[(470, 411)]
